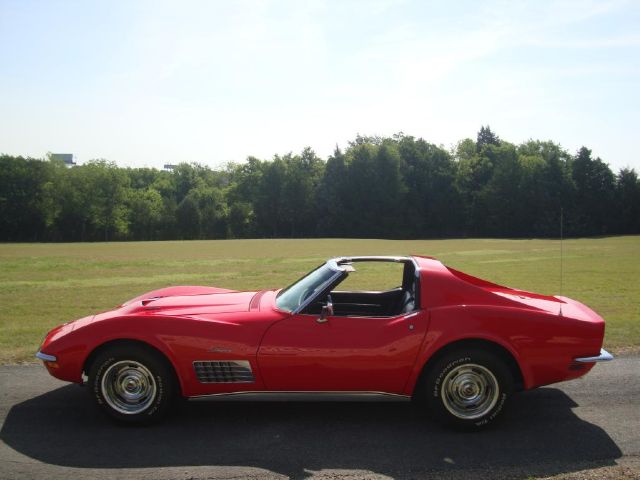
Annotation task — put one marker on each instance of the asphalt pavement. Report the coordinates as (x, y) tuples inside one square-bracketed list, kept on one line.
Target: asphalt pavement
[(52, 430)]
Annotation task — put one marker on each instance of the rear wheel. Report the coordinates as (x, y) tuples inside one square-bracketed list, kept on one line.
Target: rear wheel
[(468, 389), (132, 385)]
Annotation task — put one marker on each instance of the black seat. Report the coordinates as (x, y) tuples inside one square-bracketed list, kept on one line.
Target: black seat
[(407, 301)]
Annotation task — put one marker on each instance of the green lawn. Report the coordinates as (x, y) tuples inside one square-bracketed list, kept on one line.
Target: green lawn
[(42, 285)]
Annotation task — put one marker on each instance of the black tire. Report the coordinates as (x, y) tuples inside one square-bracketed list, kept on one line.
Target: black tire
[(467, 389), (132, 384)]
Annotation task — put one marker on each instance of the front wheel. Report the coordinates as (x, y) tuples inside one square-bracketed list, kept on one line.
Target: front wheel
[(132, 385), (468, 389)]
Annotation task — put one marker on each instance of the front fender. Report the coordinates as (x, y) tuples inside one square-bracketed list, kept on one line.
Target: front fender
[(73, 343)]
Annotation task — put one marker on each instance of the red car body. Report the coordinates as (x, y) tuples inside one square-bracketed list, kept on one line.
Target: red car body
[(549, 339)]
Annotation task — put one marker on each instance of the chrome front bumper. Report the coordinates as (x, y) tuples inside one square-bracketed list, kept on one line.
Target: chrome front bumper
[(603, 357), (45, 358)]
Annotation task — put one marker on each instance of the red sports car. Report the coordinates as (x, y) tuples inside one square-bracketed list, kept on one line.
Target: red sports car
[(453, 342)]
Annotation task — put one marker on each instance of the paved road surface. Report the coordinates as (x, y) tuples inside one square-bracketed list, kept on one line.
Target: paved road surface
[(51, 430)]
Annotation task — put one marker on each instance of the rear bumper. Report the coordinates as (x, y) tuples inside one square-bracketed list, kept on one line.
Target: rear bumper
[(603, 357)]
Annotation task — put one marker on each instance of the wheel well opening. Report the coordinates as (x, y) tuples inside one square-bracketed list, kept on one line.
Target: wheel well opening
[(475, 343), (131, 344)]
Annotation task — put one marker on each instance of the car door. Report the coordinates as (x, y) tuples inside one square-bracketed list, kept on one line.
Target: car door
[(343, 353)]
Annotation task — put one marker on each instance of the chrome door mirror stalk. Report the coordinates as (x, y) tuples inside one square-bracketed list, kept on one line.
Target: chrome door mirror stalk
[(327, 311)]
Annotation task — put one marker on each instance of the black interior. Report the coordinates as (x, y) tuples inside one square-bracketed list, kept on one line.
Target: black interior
[(397, 301), (366, 303)]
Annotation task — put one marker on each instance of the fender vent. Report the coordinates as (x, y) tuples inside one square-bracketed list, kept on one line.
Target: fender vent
[(225, 371)]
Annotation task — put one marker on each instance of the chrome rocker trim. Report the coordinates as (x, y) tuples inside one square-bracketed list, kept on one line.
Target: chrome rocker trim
[(46, 358), (313, 396), (603, 357)]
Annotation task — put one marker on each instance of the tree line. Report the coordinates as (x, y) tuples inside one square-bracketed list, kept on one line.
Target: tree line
[(382, 187)]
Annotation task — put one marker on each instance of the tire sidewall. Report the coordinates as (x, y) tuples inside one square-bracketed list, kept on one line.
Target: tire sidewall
[(445, 365), (160, 373)]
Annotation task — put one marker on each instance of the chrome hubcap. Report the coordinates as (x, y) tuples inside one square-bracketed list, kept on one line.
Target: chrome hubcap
[(469, 391), (128, 387)]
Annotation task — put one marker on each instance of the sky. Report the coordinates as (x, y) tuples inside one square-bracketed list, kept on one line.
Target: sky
[(144, 83)]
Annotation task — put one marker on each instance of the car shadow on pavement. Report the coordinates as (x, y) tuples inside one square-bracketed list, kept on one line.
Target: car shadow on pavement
[(539, 436)]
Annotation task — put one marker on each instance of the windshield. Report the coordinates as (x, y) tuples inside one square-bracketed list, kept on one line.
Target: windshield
[(294, 295)]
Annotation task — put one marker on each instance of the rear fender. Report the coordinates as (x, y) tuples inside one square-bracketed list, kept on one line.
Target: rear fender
[(476, 325)]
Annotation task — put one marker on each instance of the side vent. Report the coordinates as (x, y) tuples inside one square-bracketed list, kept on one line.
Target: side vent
[(225, 371)]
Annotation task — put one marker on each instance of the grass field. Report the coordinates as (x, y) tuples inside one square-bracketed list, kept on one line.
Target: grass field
[(42, 285)]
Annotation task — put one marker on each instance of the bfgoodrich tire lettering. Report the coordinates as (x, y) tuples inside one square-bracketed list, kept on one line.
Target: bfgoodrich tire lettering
[(132, 385), (468, 388)]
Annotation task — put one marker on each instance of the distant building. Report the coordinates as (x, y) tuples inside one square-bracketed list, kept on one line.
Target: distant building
[(67, 158), (169, 167)]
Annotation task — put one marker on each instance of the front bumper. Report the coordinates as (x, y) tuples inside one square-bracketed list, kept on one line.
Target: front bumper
[(46, 358), (603, 357)]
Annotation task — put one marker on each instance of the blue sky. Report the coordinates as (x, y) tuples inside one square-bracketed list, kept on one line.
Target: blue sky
[(147, 83)]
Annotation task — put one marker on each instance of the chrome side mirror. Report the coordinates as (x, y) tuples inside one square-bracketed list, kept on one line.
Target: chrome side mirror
[(327, 311)]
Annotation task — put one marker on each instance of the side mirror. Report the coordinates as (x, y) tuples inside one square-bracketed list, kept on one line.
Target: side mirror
[(327, 311)]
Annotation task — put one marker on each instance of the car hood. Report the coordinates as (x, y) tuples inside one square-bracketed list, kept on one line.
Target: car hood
[(190, 301)]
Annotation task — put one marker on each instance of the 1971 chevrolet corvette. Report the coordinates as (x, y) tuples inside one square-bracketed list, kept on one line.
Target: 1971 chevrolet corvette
[(453, 342)]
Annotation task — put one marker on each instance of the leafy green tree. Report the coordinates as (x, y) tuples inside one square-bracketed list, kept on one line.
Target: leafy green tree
[(502, 196), (397, 187), (594, 194), (240, 220), (22, 216), (331, 198), (486, 137), (188, 218), (187, 177), (268, 205), (547, 187), (627, 199), (242, 194), (360, 197), (145, 213), (432, 205), (473, 173), (68, 195), (213, 211), (303, 175), (108, 186)]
